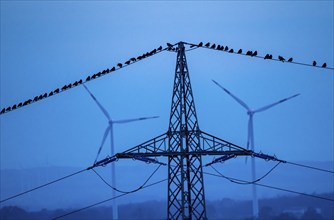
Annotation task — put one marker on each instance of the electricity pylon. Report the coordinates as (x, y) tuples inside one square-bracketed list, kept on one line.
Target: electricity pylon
[(184, 144)]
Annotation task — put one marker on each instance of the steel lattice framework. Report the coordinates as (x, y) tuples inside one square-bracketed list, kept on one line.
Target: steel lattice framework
[(184, 144)]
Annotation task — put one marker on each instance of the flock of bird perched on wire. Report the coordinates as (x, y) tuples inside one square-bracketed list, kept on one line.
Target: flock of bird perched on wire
[(171, 48)]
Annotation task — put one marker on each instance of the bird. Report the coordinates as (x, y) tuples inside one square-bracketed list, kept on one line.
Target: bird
[(3, 111), (270, 56), (213, 46), (159, 48), (139, 57), (45, 95), (80, 81), (14, 106), (51, 93), (266, 56), (207, 44), (57, 90), (324, 65), (8, 109), (153, 51), (169, 45), (249, 53), (69, 85), (231, 51), (64, 88), (112, 69), (239, 51), (314, 63), (254, 53), (119, 65), (40, 97), (226, 48), (127, 62), (36, 98), (75, 83), (290, 59), (133, 59), (88, 78), (222, 47), (20, 104), (200, 44), (280, 58)]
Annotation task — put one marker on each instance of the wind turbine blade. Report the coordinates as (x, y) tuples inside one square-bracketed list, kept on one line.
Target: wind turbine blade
[(233, 96), (98, 103), (249, 134), (273, 104), (134, 119), (103, 140)]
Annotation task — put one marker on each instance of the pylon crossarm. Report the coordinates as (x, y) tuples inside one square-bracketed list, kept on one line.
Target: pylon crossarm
[(158, 144), (212, 143), (267, 157)]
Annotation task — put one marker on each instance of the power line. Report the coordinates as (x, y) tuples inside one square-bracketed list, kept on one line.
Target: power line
[(88, 79), (218, 47), (246, 182), (127, 192), (41, 186), (310, 167), (271, 187), (107, 200)]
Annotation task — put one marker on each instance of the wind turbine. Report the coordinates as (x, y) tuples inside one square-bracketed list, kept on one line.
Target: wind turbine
[(109, 130), (250, 138)]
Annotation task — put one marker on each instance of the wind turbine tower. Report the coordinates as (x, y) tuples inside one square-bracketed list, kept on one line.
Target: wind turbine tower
[(110, 130), (250, 138)]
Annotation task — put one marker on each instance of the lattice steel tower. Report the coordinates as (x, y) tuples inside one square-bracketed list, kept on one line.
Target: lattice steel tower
[(186, 197), (184, 144)]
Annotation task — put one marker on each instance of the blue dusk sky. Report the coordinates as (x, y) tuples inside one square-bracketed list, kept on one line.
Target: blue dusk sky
[(47, 44)]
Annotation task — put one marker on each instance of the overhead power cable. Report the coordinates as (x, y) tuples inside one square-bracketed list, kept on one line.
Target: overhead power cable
[(131, 191), (271, 187), (107, 200), (88, 79), (41, 186), (310, 167), (280, 58), (246, 182)]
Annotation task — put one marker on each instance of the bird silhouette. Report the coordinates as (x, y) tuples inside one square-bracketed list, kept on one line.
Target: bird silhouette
[(64, 88), (239, 51), (80, 81), (266, 56), (159, 48), (127, 62), (290, 59), (119, 65), (314, 63), (93, 76), (133, 59), (36, 98), (40, 97), (213, 46), (14, 106), (112, 69), (222, 47), (231, 51), (249, 53), (56, 91), (218, 47), (324, 65), (69, 85), (254, 53), (200, 44), (280, 58), (20, 104), (207, 44), (169, 45), (270, 56), (8, 109), (88, 78), (3, 111), (226, 48), (51, 94), (75, 83), (45, 95)]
